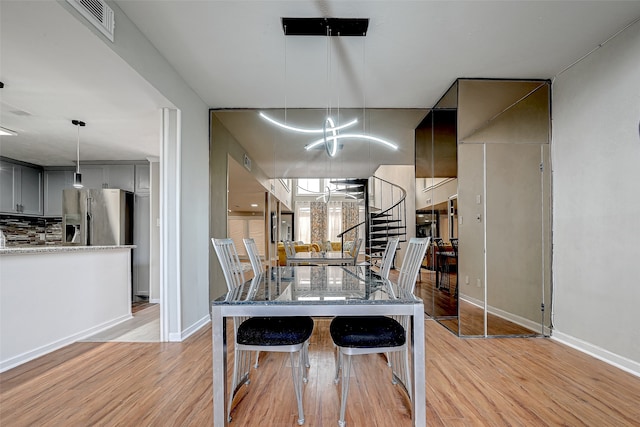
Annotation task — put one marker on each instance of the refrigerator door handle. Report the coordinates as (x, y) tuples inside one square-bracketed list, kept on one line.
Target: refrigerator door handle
[(89, 221)]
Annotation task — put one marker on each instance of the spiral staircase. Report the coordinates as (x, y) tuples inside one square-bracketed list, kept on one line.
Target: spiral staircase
[(385, 213)]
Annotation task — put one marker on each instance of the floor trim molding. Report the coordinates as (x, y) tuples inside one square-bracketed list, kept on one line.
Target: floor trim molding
[(41, 351), (195, 327), (600, 353)]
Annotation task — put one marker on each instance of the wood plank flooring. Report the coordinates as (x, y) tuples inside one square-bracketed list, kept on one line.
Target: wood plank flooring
[(143, 327), (470, 382), (443, 305)]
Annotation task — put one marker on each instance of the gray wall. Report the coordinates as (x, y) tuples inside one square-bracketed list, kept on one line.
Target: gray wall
[(596, 203), (223, 147)]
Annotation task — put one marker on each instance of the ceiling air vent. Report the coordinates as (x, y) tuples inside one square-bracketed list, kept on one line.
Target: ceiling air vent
[(98, 13)]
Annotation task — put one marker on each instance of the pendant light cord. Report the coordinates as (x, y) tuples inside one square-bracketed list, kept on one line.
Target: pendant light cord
[(285, 75), (78, 150)]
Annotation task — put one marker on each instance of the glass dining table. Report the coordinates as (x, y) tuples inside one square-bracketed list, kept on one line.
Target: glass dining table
[(318, 291), (328, 258)]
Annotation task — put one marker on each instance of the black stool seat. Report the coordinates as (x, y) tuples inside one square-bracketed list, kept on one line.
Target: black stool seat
[(367, 332), (269, 331)]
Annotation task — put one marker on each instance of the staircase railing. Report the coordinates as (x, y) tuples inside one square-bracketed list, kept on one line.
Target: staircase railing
[(385, 216)]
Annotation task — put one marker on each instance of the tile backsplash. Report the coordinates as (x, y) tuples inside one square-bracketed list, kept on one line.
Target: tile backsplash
[(30, 231)]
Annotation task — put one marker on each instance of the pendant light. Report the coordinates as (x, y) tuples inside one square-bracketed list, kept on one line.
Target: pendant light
[(77, 176), (329, 133)]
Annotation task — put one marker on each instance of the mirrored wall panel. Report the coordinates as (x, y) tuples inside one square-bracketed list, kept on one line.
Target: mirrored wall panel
[(488, 269)]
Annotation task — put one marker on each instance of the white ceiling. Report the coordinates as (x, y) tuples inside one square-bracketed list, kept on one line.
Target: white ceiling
[(233, 54), (54, 71)]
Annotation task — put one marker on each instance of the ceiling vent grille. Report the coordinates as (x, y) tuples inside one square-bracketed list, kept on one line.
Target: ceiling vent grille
[(98, 13)]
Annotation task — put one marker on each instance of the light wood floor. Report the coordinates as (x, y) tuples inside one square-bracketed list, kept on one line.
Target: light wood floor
[(470, 382), (143, 327), (443, 305)]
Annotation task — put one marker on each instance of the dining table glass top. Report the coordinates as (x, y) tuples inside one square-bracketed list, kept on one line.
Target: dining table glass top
[(313, 285), (330, 258)]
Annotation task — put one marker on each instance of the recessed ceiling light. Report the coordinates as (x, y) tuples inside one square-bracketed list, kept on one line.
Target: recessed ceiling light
[(254, 205)]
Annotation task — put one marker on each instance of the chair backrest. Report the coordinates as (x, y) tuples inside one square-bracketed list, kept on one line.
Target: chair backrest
[(454, 245), (355, 249), (229, 261), (387, 257), (289, 248), (411, 263), (254, 255)]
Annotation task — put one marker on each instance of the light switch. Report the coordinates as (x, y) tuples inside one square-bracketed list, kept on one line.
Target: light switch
[(478, 199), (460, 219)]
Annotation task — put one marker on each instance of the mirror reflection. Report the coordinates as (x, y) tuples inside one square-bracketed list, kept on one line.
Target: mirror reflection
[(478, 186), (482, 193)]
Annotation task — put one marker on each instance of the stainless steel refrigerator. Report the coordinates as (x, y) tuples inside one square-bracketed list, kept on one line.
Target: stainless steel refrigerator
[(100, 217)]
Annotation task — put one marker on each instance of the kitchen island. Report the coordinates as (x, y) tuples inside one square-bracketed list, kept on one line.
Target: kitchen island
[(52, 296)]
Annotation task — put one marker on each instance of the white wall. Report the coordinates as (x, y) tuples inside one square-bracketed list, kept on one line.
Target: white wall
[(596, 189), (187, 225)]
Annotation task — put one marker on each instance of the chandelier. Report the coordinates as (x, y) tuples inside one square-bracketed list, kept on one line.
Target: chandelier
[(330, 132)]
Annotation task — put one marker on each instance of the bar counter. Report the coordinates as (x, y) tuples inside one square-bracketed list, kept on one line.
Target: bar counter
[(52, 296)]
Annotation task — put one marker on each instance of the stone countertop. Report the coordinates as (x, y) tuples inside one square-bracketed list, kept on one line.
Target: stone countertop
[(57, 249)]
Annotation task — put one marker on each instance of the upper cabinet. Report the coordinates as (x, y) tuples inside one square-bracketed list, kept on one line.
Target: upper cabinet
[(143, 181), (28, 190), (20, 189), (108, 176), (54, 182)]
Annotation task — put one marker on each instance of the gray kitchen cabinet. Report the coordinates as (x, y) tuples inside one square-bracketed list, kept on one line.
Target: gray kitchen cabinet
[(54, 182), (108, 176), (92, 176), (30, 190), (143, 182), (120, 176), (20, 189), (6, 188)]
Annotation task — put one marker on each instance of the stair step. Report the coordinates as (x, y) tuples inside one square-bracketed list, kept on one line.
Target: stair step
[(385, 221), (350, 181), (380, 215), (386, 228), (379, 234), (353, 190)]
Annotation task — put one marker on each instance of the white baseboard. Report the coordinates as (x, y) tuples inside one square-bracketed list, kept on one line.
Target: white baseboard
[(48, 348), (599, 353), (196, 327), (181, 336), (154, 301), (616, 360), (513, 318)]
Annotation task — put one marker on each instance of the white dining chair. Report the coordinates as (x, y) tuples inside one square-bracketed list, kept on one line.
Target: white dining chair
[(276, 334), (387, 257), (355, 335), (254, 258), (385, 266), (355, 250), (254, 255), (289, 250), (407, 277)]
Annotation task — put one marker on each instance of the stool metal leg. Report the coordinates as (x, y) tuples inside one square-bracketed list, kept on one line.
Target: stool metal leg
[(297, 373), (346, 372)]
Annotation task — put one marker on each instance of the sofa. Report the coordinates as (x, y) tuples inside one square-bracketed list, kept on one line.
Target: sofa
[(300, 247)]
